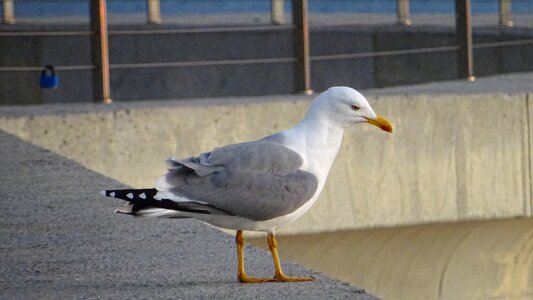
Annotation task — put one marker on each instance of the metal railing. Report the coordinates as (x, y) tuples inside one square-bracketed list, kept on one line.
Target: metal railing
[(100, 51), (301, 59)]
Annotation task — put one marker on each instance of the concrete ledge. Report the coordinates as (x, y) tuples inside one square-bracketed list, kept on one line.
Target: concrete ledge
[(451, 158), (61, 240)]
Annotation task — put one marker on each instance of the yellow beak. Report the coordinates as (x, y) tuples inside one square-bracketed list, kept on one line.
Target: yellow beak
[(381, 122)]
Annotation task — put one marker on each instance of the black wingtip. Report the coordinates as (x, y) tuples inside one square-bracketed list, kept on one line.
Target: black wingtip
[(109, 193), (143, 198), (130, 194)]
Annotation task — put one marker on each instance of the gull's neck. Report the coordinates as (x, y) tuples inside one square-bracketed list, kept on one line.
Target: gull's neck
[(318, 140)]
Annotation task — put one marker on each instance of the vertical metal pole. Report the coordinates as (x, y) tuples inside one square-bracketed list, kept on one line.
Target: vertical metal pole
[(402, 12), (506, 19), (463, 33), (302, 67), (8, 16), (154, 12), (100, 52), (278, 11)]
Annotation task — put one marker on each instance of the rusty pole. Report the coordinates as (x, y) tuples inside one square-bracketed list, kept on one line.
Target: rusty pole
[(463, 32), (302, 67), (100, 52)]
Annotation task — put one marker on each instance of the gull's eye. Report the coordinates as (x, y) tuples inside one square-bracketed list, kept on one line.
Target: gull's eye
[(355, 107)]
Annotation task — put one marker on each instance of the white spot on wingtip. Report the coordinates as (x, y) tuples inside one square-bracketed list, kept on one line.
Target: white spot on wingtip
[(130, 195), (142, 196), (102, 193), (112, 194)]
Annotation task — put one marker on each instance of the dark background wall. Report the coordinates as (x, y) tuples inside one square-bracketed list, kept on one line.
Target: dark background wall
[(21, 87)]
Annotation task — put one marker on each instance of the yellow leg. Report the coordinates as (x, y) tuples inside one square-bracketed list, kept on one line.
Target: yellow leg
[(241, 274), (280, 277), (272, 244)]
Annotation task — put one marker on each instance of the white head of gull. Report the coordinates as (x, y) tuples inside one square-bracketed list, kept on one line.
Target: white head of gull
[(259, 185)]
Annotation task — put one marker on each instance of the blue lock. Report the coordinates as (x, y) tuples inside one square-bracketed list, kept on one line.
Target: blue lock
[(49, 79)]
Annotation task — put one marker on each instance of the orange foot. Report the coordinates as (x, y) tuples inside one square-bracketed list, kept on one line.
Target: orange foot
[(278, 278)]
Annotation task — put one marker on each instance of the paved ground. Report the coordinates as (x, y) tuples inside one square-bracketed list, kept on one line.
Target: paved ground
[(59, 239)]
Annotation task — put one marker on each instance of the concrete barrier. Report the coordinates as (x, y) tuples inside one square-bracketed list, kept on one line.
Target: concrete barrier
[(451, 158)]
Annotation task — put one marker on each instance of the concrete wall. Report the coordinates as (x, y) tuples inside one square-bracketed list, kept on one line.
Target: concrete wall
[(248, 79), (451, 157)]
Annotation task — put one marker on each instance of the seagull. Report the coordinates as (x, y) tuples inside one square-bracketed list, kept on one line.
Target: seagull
[(259, 185)]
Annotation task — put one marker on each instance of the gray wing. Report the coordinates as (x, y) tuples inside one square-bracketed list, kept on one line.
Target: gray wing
[(257, 180)]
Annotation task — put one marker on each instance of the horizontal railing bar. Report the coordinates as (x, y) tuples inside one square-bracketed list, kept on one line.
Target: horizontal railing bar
[(40, 68), (384, 53), (503, 44), (204, 63), (160, 65), (273, 60)]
